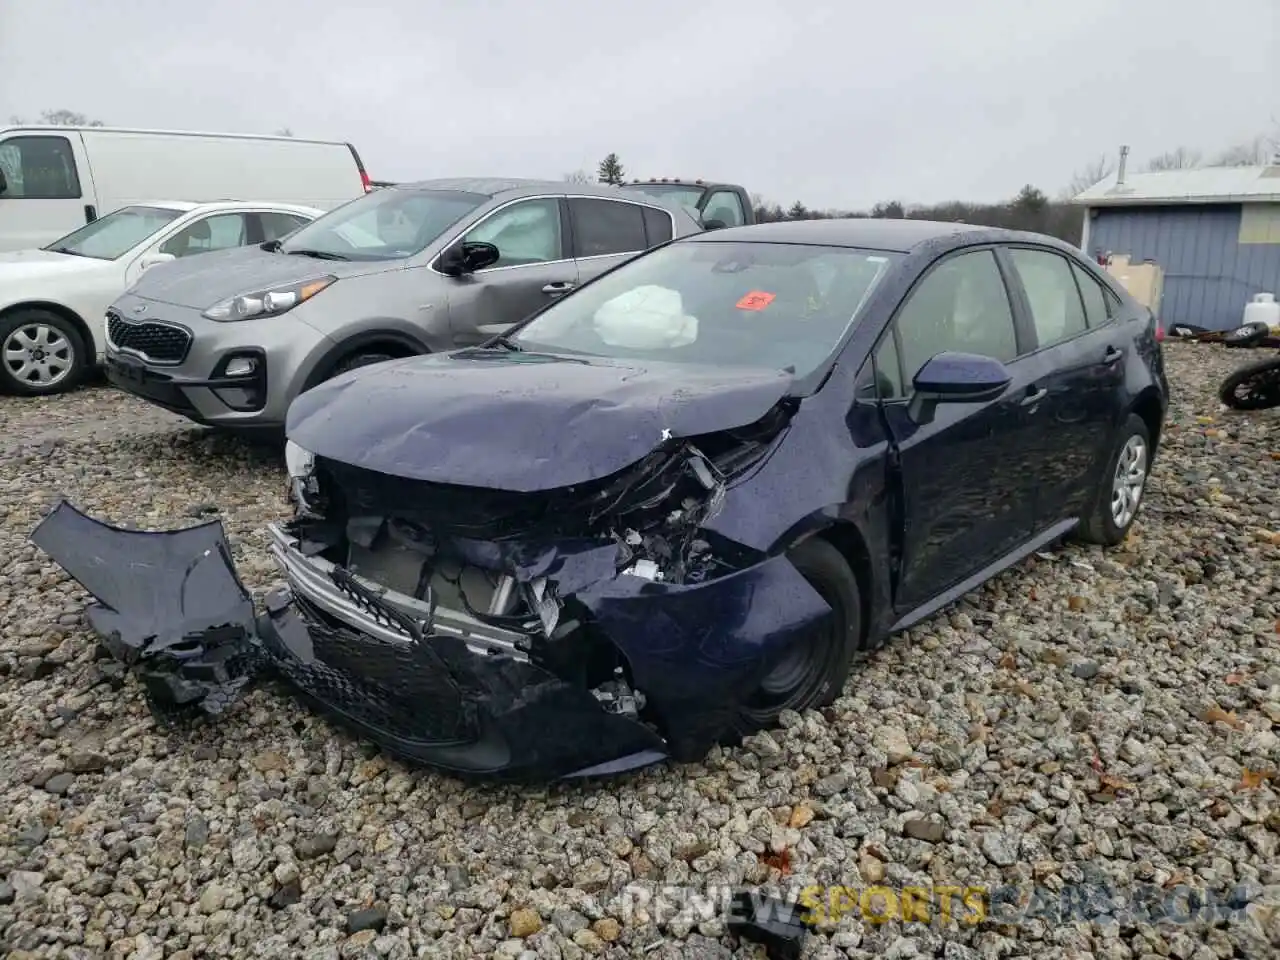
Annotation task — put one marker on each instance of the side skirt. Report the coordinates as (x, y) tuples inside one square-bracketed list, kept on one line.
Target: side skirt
[(1056, 532)]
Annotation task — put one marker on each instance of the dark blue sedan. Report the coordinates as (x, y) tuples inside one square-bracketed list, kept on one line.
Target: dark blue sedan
[(670, 505)]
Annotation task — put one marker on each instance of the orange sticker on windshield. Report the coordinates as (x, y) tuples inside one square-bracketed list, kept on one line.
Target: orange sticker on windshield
[(755, 300)]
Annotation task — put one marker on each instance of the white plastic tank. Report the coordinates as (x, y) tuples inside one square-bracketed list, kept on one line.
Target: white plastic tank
[(1263, 308)]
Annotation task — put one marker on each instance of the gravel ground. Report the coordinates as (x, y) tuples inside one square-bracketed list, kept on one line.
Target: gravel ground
[(1086, 717)]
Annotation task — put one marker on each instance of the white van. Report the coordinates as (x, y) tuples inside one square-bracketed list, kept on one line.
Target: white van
[(55, 179)]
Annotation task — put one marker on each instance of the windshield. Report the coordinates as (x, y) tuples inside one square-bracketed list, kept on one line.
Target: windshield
[(112, 236), (686, 194), (387, 224), (771, 305)]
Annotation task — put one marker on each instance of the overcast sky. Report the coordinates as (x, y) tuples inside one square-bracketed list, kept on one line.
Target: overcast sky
[(837, 104)]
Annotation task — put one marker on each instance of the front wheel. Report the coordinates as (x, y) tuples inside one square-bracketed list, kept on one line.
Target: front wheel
[(1123, 484), (360, 359), (1253, 387), (812, 672), (41, 354)]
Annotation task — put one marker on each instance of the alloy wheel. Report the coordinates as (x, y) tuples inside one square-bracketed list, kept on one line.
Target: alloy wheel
[(38, 355), (1129, 481)]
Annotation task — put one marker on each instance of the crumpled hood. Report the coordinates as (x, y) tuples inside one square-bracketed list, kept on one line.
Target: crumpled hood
[(521, 421), (24, 265), (204, 280)]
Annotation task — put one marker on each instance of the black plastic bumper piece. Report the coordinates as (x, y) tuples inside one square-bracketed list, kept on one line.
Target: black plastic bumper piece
[(434, 701), (770, 922)]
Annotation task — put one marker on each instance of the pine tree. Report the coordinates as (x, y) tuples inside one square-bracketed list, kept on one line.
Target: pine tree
[(610, 170)]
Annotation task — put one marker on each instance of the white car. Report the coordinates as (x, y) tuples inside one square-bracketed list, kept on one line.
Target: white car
[(53, 300)]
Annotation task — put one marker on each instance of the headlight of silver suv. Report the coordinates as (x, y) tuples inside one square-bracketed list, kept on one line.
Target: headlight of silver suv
[(267, 303)]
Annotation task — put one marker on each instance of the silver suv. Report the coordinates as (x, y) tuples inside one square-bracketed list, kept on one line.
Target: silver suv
[(229, 339)]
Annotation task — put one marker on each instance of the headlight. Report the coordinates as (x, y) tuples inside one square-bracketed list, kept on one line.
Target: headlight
[(267, 303), (299, 462)]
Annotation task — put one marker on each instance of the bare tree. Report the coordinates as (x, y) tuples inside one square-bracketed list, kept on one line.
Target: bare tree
[(1087, 176), (578, 176), (1250, 153), (62, 118), (1180, 158)]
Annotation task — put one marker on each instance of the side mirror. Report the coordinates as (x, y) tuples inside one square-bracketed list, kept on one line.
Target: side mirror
[(714, 224), (151, 259), (955, 378), (4, 183), (463, 258)]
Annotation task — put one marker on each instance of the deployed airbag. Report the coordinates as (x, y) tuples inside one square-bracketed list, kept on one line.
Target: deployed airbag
[(646, 318)]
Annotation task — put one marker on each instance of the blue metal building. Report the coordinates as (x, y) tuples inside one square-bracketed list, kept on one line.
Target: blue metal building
[(1215, 233)]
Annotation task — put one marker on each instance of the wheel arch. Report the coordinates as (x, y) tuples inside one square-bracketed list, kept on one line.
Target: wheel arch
[(87, 339), (849, 540), (396, 342), (1149, 408)]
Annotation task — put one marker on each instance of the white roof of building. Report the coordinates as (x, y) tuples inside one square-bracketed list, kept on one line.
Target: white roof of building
[(1206, 185)]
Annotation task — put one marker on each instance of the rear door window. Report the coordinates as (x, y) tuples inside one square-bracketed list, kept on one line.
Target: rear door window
[(39, 168), (1096, 306), (602, 228)]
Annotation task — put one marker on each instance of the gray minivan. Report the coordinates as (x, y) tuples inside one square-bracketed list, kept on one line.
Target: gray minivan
[(229, 339)]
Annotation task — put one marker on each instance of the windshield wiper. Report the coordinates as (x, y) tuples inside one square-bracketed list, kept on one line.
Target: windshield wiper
[(318, 254), (505, 343), (68, 251)]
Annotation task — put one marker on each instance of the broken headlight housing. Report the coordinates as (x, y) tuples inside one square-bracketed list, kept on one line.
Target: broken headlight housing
[(267, 303), (300, 464)]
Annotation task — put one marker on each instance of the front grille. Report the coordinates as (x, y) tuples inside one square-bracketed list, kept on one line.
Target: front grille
[(406, 690), (159, 342)]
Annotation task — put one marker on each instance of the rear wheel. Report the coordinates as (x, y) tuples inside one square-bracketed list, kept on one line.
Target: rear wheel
[(1253, 387), (41, 354), (1122, 486), (813, 671)]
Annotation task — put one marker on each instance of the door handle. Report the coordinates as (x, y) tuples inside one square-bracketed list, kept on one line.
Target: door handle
[(1034, 395), (558, 287), (1112, 355)]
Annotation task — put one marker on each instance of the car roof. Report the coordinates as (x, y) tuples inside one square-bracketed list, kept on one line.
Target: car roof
[(894, 235), (512, 187), (188, 206)]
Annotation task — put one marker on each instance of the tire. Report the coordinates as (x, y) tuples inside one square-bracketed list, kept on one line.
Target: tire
[(1249, 335), (359, 359), (1109, 522), (1261, 386), (41, 354), (813, 673)]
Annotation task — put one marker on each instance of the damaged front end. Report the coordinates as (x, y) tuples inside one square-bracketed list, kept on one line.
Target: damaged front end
[(579, 631)]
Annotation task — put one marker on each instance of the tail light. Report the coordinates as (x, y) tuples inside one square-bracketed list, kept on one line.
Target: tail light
[(1159, 333)]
